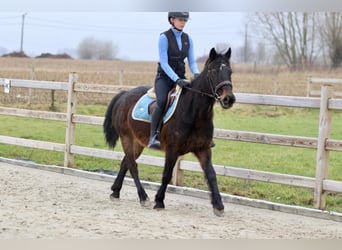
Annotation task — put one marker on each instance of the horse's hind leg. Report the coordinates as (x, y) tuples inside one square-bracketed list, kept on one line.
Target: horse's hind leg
[(116, 187), (133, 151), (141, 191)]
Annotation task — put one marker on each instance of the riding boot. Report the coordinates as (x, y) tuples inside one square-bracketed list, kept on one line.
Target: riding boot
[(156, 118), (212, 144)]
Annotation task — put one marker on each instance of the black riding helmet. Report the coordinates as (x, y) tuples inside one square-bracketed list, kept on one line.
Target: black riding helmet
[(177, 15)]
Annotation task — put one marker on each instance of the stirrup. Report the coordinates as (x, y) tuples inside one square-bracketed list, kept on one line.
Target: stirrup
[(154, 142)]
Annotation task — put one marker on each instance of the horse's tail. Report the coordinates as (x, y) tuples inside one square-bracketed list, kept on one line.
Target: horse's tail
[(111, 134)]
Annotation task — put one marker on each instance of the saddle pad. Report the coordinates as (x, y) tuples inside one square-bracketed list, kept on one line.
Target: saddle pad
[(140, 110)]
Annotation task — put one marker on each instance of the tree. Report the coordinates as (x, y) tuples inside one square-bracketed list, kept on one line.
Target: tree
[(86, 47), (91, 48), (106, 50), (3, 51), (292, 34), (260, 53), (331, 33)]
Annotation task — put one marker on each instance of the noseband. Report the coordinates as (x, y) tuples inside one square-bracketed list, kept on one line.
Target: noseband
[(218, 87)]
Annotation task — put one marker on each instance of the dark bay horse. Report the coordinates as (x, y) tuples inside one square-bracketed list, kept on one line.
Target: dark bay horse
[(190, 129)]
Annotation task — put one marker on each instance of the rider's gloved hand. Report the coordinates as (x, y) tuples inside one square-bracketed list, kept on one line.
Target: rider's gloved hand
[(183, 83)]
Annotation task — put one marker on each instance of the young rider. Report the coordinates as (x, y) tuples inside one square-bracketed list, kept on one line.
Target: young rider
[(174, 47)]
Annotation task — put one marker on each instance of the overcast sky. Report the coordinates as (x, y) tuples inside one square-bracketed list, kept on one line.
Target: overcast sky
[(134, 33), (132, 25)]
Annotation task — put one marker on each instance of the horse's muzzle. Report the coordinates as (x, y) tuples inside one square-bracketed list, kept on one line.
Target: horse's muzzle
[(227, 98), (228, 101)]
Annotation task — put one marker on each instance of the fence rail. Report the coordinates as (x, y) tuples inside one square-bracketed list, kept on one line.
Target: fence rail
[(320, 81), (323, 143)]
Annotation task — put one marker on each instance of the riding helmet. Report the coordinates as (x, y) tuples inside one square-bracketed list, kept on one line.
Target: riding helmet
[(178, 15)]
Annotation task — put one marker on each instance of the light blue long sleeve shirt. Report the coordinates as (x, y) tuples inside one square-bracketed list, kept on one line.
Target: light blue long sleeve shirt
[(163, 57)]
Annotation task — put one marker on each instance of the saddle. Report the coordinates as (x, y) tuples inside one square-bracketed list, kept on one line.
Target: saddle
[(143, 109), (170, 99)]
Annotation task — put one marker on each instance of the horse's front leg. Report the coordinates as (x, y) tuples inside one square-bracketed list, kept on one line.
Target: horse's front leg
[(204, 158), (170, 161)]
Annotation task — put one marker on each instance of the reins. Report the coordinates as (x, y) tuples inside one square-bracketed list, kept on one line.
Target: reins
[(200, 92), (214, 94)]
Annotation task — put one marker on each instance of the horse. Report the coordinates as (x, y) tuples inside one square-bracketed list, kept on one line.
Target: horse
[(190, 129)]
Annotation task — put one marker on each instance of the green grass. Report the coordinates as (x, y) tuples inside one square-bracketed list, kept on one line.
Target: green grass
[(280, 159)]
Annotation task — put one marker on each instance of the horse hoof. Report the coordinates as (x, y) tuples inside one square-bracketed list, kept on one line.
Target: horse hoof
[(113, 198), (159, 207), (145, 203), (219, 213)]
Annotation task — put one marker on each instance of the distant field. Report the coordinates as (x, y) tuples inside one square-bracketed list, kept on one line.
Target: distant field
[(246, 78)]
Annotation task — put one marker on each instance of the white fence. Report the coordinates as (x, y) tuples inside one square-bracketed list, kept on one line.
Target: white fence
[(312, 81), (323, 143)]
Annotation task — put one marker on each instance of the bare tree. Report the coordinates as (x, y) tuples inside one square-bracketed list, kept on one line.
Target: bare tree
[(91, 48), (260, 53), (106, 50), (244, 54), (86, 47), (292, 34), (331, 32)]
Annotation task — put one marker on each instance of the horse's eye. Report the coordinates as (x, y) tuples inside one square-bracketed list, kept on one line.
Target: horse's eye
[(215, 72)]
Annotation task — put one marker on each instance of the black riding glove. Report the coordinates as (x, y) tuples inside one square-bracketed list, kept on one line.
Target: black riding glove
[(183, 83)]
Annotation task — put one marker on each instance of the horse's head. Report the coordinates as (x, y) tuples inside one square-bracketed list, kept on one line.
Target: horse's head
[(219, 75)]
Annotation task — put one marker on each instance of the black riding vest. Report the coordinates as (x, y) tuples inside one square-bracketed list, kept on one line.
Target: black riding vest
[(175, 56)]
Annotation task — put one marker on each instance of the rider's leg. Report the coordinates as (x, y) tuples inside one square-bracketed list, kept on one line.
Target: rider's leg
[(162, 88), (156, 118)]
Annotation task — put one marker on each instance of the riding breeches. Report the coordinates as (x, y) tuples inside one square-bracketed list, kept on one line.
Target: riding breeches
[(162, 86)]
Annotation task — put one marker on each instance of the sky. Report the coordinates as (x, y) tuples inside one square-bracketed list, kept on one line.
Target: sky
[(134, 33), (133, 26)]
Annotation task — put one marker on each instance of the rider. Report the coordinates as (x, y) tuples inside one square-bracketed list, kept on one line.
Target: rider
[(174, 46)]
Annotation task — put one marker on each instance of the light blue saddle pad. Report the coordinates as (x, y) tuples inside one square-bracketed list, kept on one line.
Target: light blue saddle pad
[(140, 110)]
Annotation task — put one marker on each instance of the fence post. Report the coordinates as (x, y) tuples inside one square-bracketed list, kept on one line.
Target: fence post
[(120, 77), (275, 87), (70, 126), (30, 89), (308, 81), (52, 105), (178, 173), (322, 158)]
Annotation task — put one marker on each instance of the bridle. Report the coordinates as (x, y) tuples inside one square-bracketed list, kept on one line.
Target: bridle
[(214, 91)]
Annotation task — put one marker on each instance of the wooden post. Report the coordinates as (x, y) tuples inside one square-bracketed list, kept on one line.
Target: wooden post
[(120, 77), (70, 126), (322, 159), (308, 87), (275, 87), (52, 106), (30, 89), (178, 173)]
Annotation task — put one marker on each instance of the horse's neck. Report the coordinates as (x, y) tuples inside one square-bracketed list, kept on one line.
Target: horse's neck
[(200, 96)]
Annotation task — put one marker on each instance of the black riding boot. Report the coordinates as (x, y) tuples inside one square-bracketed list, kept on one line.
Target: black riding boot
[(157, 115)]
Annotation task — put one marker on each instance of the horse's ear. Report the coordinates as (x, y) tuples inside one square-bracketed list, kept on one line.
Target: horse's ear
[(212, 54), (229, 53)]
